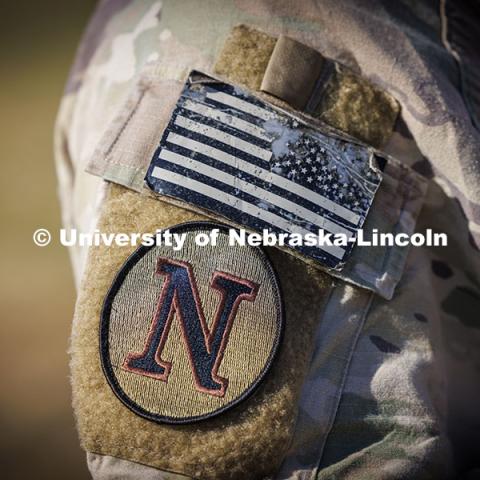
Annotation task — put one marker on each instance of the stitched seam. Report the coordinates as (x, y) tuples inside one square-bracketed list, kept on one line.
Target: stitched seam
[(320, 86), (409, 183), (464, 90), (389, 249), (403, 206), (320, 316), (123, 447), (125, 124), (131, 167), (313, 474)]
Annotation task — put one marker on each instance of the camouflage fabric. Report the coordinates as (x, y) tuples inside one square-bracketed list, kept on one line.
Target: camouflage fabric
[(393, 385)]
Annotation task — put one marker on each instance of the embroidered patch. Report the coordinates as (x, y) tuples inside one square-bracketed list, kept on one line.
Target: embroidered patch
[(188, 334), (230, 153)]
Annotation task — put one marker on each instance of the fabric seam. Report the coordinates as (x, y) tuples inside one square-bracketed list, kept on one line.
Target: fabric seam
[(464, 90), (313, 474), (136, 462), (321, 314), (124, 126)]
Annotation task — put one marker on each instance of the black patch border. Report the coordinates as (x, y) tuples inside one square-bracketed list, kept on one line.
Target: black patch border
[(104, 329)]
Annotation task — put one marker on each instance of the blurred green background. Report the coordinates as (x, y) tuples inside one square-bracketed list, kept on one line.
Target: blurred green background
[(38, 438)]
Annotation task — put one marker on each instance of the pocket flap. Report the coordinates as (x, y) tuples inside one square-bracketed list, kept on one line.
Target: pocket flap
[(144, 127)]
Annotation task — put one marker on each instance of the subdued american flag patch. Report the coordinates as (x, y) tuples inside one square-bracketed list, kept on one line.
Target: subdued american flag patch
[(231, 153)]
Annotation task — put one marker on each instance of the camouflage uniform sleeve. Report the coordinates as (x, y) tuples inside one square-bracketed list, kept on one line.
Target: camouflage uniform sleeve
[(78, 127), (390, 387)]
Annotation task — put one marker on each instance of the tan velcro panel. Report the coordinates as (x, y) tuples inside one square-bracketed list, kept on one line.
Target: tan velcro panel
[(248, 441), (300, 76)]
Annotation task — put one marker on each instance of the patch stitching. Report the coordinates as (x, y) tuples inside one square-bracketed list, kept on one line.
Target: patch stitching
[(126, 122), (107, 367), (208, 334)]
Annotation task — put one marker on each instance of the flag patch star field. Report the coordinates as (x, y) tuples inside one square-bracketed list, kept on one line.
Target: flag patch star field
[(230, 153)]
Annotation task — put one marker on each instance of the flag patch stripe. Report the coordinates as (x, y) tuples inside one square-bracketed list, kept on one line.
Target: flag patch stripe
[(264, 218), (239, 104), (252, 189), (221, 136), (315, 199), (227, 119)]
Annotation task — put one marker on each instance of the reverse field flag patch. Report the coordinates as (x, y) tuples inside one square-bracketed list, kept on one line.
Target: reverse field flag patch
[(232, 154)]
